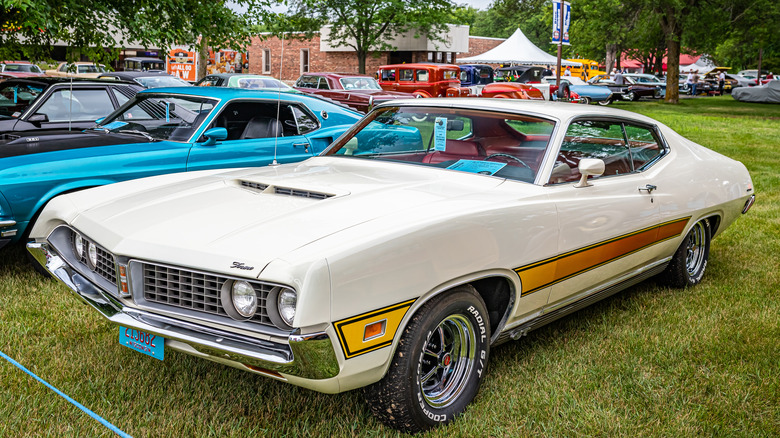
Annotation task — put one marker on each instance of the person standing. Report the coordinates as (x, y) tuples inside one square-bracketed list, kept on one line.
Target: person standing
[(567, 72), (689, 81), (721, 82), (619, 80), (547, 72), (695, 80)]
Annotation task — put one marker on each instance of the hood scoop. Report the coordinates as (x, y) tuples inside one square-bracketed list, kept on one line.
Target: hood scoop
[(284, 191)]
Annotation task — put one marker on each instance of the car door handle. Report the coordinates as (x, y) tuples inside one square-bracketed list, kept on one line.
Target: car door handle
[(649, 188), (305, 146)]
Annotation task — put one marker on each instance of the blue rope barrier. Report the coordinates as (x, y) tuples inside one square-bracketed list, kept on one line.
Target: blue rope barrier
[(97, 417)]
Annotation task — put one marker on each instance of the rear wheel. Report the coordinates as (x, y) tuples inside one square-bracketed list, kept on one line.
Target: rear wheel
[(605, 102), (438, 365), (690, 261)]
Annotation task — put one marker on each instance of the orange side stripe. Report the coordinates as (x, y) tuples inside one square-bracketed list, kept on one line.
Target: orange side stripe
[(547, 272)]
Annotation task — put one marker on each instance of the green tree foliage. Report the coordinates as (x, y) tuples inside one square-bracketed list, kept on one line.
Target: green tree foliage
[(504, 17), (98, 28), (367, 25)]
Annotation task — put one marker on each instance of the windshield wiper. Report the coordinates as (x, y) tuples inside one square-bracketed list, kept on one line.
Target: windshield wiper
[(134, 131)]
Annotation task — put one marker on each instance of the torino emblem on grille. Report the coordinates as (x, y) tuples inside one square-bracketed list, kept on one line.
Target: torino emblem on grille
[(239, 265)]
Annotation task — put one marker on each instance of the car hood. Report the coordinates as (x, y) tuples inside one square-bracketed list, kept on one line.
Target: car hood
[(257, 215), (36, 142)]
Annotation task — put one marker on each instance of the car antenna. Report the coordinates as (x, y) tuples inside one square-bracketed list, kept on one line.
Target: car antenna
[(278, 103), (70, 105)]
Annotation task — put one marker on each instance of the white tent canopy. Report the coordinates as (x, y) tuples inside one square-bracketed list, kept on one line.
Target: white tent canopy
[(701, 66), (517, 49)]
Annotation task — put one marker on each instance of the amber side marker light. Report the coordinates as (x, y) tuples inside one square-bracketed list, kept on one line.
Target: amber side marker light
[(374, 330), (123, 280)]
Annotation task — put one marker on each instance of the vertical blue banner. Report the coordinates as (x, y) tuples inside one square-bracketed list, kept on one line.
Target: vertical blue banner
[(556, 36)]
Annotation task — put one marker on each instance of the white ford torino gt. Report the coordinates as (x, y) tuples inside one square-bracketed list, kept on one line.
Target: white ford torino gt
[(431, 231)]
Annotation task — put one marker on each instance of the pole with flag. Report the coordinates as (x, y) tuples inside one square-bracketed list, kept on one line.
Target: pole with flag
[(561, 20)]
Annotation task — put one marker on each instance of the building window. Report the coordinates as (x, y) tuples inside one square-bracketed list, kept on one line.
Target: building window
[(449, 57), (304, 60), (438, 56), (267, 61), (430, 56)]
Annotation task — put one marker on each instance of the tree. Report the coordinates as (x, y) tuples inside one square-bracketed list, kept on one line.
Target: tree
[(367, 25), (99, 28)]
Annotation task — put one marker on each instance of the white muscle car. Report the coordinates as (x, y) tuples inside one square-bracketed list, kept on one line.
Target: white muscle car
[(431, 231)]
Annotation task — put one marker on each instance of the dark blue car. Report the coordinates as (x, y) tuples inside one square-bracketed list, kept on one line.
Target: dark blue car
[(161, 131)]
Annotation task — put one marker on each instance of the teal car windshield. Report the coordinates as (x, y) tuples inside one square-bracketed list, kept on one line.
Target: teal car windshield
[(161, 117)]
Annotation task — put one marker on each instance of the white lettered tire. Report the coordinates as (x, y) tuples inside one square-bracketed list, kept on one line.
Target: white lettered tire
[(438, 365)]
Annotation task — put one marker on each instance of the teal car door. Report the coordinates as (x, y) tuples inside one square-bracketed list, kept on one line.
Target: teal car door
[(258, 132)]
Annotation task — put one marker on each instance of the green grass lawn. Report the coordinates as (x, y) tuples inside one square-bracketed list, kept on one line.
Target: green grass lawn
[(651, 361)]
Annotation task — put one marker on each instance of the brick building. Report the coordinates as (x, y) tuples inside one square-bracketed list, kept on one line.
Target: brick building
[(316, 55)]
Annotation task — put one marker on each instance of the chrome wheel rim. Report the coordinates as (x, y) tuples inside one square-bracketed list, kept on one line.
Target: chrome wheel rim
[(694, 257), (447, 361)]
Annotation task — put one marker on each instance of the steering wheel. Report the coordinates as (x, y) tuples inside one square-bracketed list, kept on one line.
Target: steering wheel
[(511, 157)]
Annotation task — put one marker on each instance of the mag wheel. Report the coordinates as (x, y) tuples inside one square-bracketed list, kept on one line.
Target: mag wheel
[(438, 365), (690, 260)]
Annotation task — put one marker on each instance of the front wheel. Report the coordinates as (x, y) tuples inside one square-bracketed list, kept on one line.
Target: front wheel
[(438, 365), (690, 260), (605, 102)]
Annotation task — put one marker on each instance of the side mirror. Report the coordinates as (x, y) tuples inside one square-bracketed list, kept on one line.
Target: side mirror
[(589, 166), (214, 135), (37, 119)]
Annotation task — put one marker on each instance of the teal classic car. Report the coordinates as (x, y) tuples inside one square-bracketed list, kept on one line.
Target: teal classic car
[(160, 131)]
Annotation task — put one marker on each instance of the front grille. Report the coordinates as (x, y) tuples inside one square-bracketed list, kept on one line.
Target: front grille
[(194, 290), (106, 265)]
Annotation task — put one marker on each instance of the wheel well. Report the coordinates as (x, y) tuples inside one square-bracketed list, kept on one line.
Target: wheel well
[(34, 217), (496, 292), (714, 223)]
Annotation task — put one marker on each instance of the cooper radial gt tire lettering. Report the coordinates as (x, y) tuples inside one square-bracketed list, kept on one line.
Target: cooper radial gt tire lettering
[(438, 365), (690, 260)]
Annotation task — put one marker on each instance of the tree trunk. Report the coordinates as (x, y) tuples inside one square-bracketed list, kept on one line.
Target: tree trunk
[(203, 57), (610, 63), (361, 55), (673, 69)]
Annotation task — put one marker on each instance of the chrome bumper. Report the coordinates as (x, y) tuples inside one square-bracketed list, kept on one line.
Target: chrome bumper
[(309, 356)]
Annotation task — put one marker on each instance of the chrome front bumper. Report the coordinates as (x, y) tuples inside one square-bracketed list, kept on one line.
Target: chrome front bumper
[(308, 356)]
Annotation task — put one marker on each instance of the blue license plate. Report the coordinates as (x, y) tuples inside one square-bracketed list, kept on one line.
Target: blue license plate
[(146, 343)]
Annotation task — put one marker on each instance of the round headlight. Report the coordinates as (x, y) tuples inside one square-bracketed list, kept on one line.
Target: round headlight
[(78, 245), (244, 299), (286, 302), (92, 254)]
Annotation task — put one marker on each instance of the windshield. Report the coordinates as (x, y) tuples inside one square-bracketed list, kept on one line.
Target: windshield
[(474, 141), (26, 68), (260, 83), (162, 81), (91, 69), (16, 97), (359, 83), (162, 117)]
